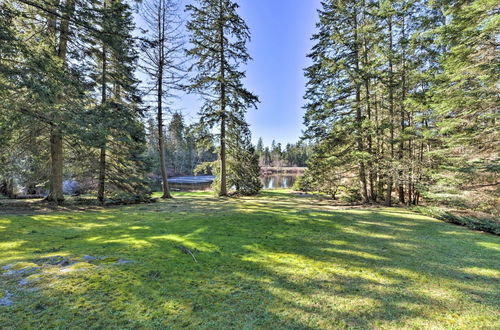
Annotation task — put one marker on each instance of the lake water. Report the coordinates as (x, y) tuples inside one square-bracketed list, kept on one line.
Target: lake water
[(273, 181), (183, 183), (278, 181)]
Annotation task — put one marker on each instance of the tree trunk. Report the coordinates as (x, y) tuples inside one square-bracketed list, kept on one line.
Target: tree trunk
[(359, 115), (161, 139), (56, 171), (223, 183), (56, 136), (402, 115), (223, 174), (102, 175), (102, 158), (371, 176), (388, 196), (380, 149)]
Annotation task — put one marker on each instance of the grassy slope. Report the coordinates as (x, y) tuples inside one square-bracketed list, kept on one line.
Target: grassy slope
[(272, 261)]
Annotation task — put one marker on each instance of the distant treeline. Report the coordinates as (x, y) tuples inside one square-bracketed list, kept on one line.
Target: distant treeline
[(291, 155)]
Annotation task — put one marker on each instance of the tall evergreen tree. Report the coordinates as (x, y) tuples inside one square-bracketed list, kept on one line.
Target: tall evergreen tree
[(334, 110), (119, 134), (219, 36)]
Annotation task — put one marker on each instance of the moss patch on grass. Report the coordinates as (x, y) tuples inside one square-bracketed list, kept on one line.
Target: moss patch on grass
[(273, 261)]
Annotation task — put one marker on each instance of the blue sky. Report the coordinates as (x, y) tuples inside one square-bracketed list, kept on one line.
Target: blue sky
[(281, 32)]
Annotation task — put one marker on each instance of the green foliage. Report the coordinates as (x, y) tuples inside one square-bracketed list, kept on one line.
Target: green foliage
[(488, 225), (243, 170), (124, 198), (55, 86), (350, 194), (219, 37), (243, 161), (293, 155), (403, 95), (304, 183)]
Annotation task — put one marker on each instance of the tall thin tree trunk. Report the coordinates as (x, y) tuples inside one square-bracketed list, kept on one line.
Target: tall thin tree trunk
[(359, 115), (102, 157), (223, 174), (388, 196), (380, 149), (161, 139), (411, 158), (371, 176), (401, 188)]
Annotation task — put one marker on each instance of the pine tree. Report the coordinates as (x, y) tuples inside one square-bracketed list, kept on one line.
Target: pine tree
[(243, 162), (368, 94), (50, 86), (219, 36), (466, 92), (334, 110), (118, 131)]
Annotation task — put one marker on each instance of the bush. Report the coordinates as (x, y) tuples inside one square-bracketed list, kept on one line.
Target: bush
[(304, 183), (483, 224), (123, 198), (350, 195)]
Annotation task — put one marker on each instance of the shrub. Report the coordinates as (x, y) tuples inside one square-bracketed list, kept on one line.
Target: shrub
[(123, 198), (483, 224), (350, 195)]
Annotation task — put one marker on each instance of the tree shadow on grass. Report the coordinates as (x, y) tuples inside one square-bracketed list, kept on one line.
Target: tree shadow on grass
[(274, 263)]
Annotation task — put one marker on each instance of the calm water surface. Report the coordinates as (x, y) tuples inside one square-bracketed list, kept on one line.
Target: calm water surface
[(278, 181), (274, 181)]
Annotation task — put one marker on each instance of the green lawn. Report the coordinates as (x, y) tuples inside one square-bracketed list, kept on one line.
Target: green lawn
[(273, 261)]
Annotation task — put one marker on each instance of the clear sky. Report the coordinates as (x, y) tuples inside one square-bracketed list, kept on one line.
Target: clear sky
[(281, 32)]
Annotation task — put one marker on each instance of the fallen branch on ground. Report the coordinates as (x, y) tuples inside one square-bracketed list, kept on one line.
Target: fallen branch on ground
[(188, 251)]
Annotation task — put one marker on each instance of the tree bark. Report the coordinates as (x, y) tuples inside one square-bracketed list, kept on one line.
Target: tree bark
[(101, 187), (56, 136), (380, 149), (161, 139), (388, 196), (401, 187), (359, 115), (371, 176), (56, 171), (223, 174)]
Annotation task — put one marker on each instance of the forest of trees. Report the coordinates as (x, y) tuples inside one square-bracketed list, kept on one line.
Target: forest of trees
[(73, 107), (292, 155), (402, 96)]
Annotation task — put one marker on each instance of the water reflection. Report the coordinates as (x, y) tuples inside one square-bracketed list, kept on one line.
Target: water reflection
[(278, 181), (273, 181), (188, 183)]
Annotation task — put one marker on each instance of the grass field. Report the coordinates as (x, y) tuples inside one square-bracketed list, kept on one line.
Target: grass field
[(273, 261)]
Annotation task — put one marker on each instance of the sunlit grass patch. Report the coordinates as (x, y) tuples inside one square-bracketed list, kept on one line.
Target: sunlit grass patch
[(272, 261)]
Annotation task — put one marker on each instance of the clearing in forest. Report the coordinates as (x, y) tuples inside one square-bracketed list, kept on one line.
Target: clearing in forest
[(272, 261)]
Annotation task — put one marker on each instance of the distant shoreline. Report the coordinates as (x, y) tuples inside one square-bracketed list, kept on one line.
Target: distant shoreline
[(267, 170)]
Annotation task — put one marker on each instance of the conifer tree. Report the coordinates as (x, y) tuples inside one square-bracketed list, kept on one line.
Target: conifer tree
[(334, 110), (219, 36), (119, 134), (243, 162)]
